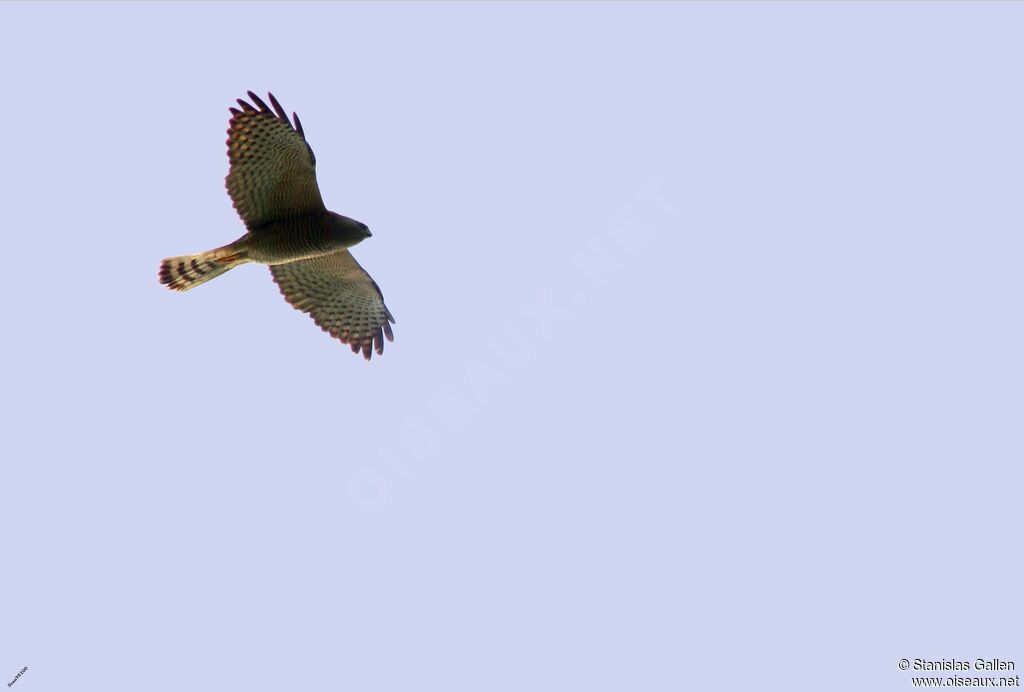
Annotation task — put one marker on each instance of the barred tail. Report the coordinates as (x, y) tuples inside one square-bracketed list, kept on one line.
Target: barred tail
[(183, 273)]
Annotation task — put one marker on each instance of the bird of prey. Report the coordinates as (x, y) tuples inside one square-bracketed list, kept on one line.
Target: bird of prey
[(272, 185)]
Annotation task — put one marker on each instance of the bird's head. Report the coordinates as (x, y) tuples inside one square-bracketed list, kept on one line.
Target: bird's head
[(349, 231)]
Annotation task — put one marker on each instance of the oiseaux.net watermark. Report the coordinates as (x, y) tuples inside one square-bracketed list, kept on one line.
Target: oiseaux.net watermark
[(976, 672), (461, 394)]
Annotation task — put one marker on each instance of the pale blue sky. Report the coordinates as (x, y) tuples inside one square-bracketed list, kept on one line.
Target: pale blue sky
[(707, 369)]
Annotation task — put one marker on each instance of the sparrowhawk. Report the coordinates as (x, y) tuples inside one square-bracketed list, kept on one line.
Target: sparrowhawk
[(272, 184)]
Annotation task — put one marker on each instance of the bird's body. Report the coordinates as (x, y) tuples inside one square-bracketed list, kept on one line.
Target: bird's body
[(272, 183), (301, 237)]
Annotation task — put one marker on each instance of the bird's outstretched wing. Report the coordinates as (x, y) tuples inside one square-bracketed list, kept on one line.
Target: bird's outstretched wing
[(340, 297), (273, 170)]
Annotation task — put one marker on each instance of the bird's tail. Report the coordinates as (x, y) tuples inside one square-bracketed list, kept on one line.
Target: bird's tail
[(183, 273)]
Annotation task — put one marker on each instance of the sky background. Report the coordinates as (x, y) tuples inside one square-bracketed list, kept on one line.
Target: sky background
[(706, 373)]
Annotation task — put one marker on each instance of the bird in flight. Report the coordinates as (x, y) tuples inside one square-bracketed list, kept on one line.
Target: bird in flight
[(272, 185)]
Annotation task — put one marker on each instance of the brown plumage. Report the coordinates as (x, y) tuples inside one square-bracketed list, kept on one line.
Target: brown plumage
[(272, 184)]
